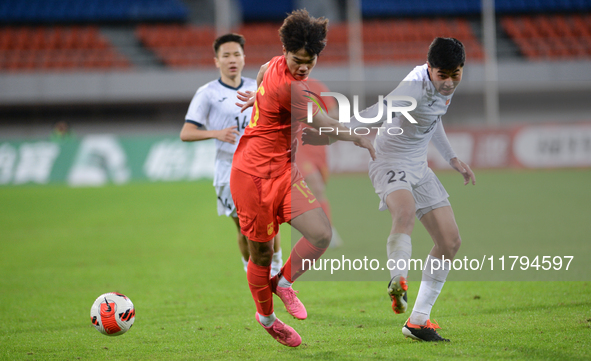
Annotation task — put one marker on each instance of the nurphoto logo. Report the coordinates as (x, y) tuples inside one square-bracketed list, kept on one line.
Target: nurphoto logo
[(345, 111)]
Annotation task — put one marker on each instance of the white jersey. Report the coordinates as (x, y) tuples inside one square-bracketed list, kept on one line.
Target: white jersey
[(410, 148), (213, 107)]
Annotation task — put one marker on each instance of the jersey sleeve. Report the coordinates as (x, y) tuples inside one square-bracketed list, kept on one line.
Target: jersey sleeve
[(319, 87), (300, 96), (442, 143), (198, 112), (399, 97), (406, 88)]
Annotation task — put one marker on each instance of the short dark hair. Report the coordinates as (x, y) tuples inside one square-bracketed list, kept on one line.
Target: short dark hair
[(446, 53), (300, 30), (228, 38)]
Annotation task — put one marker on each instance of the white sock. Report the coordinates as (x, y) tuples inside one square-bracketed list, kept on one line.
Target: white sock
[(276, 263), (283, 282), (267, 321), (399, 248), (433, 279), (278, 258), (245, 262)]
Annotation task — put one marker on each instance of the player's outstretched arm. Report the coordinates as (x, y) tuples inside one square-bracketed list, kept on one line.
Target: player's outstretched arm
[(464, 169), (336, 130), (192, 133), (313, 137)]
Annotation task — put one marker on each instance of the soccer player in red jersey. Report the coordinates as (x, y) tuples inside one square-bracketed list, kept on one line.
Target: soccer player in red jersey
[(267, 189), (209, 116)]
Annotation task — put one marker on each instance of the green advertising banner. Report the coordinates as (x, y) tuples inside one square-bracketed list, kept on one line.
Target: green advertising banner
[(100, 159)]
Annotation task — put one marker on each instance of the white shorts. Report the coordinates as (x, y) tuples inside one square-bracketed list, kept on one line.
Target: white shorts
[(424, 185), (225, 202)]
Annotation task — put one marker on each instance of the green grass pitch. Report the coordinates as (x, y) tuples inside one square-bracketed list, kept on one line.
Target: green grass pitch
[(164, 246)]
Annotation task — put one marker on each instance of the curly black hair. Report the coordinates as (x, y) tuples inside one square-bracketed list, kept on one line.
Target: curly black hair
[(446, 53), (300, 30), (228, 38)]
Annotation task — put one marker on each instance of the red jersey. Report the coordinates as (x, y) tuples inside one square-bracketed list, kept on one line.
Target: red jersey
[(265, 149)]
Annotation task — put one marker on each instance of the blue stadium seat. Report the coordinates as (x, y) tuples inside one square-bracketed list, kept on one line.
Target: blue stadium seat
[(401, 8), (81, 11), (263, 10)]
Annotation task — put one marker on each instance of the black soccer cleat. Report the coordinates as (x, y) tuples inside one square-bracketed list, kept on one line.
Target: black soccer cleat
[(426, 333), (397, 291)]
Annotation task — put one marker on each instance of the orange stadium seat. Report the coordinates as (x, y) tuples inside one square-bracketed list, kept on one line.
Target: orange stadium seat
[(178, 45), (385, 41), (56, 48), (407, 40), (550, 37)]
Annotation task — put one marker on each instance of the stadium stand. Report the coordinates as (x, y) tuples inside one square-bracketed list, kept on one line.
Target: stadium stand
[(550, 37), (57, 45), (263, 10), (407, 40), (403, 8), (178, 45), (90, 11), (187, 46), (394, 31), (384, 41), (56, 48)]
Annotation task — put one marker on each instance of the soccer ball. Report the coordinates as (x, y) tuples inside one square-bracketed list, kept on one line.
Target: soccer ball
[(112, 314)]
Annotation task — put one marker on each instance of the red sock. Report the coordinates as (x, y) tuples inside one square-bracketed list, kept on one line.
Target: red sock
[(326, 208), (258, 282), (292, 269)]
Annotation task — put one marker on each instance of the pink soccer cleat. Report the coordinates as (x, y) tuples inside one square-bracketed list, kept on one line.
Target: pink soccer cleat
[(281, 332), (293, 305)]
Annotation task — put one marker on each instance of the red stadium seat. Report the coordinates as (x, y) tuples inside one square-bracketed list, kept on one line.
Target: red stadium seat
[(384, 41), (550, 37), (56, 48)]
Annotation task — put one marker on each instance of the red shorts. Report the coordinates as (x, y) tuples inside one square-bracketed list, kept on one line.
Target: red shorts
[(311, 159), (263, 204)]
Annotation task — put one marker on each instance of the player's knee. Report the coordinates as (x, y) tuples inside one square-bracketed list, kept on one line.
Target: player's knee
[(404, 221), (322, 237), (454, 244), (262, 256)]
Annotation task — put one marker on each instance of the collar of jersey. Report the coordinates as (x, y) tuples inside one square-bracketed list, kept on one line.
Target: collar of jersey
[(231, 87)]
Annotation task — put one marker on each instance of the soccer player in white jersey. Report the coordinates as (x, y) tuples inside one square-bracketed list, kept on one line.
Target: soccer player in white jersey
[(214, 114), (408, 187)]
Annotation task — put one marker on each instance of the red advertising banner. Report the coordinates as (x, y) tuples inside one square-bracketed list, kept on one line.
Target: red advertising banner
[(527, 146)]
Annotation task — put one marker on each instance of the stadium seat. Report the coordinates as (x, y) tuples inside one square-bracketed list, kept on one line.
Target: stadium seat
[(178, 45), (57, 48), (550, 37), (385, 41), (408, 40), (90, 11), (402, 8)]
